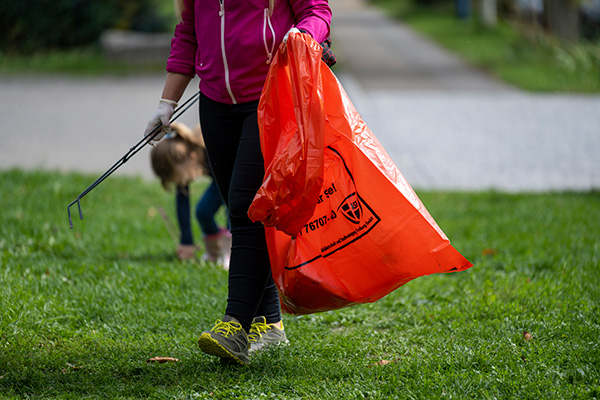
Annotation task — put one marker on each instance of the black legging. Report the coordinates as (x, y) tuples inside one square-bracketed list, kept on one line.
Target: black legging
[(233, 146)]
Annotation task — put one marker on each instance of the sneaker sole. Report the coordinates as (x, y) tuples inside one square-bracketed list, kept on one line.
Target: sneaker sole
[(211, 346)]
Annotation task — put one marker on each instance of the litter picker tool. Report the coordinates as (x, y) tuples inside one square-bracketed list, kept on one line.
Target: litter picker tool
[(132, 151)]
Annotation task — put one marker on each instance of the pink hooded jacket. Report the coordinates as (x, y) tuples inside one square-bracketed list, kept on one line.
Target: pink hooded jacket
[(229, 44)]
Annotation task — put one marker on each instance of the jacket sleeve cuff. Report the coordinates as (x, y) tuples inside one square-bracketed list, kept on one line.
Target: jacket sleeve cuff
[(180, 68), (315, 27)]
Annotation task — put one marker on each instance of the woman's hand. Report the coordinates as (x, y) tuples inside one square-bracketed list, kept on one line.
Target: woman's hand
[(175, 85), (161, 117), (293, 30)]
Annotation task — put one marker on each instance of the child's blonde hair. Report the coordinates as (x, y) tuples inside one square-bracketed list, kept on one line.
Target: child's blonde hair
[(176, 151), (271, 6), (179, 7)]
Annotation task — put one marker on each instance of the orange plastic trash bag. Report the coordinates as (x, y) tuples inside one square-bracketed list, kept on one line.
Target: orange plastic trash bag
[(343, 225)]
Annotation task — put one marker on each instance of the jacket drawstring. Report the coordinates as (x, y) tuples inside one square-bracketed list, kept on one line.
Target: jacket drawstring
[(267, 21), (224, 54)]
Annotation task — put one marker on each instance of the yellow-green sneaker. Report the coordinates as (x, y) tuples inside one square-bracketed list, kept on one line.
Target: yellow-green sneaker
[(263, 335), (227, 340)]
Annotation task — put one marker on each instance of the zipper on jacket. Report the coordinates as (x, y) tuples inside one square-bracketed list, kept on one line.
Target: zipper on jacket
[(225, 65), (267, 20)]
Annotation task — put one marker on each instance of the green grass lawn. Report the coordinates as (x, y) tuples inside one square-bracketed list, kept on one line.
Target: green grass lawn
[(86, 61), (82, 310)]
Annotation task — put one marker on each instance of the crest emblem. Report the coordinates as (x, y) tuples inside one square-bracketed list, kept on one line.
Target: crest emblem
[(351, 208)]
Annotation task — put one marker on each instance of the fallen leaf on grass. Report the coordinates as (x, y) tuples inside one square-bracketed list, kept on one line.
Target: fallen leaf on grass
[(489, 252), (162, 360), (527, 336), (381, 363), (71, 366)]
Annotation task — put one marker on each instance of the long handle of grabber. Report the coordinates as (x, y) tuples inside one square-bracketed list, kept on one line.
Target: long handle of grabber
[(132, 151)]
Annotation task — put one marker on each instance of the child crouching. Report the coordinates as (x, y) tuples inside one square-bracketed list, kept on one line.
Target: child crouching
[(179, 159)]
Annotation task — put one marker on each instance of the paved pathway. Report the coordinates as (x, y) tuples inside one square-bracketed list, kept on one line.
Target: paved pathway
[(79, 124), (447, 125)]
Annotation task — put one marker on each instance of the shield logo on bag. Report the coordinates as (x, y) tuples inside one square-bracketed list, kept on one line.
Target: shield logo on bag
[(351, 208)]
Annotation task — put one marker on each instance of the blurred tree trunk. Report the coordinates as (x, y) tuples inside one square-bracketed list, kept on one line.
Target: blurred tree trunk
[(488, 12), (562, 18)]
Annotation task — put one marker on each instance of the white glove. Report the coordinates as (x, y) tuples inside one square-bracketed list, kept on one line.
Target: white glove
[(161, 117), (293, 30)]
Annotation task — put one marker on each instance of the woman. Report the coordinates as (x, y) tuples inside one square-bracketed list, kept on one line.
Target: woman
[(229, 44)]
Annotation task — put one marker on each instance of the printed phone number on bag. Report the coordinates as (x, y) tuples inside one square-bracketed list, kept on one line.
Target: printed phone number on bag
[(318, 223)]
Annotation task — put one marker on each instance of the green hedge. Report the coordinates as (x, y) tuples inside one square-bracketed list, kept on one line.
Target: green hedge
[(31, 25)]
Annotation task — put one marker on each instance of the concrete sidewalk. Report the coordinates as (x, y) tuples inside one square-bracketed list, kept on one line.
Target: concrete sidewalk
[(80, 124), (446, 124)]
